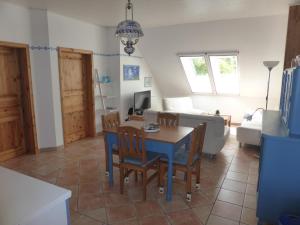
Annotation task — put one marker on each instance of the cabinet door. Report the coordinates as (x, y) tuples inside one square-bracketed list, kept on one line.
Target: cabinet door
[(261, 157), (294, 114), (279, 182)]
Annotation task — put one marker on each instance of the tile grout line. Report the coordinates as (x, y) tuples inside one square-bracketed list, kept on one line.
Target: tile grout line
[(218, 193), (78, 211), (233, 156), (106, 213)]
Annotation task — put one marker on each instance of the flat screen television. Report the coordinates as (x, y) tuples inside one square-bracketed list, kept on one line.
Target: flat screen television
[(142, 101)]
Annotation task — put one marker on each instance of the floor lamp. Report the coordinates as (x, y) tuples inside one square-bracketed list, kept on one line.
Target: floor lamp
[(270, 65)]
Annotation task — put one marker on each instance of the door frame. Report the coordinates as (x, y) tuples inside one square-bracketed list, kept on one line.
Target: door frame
[(30, 135), (90, 88)]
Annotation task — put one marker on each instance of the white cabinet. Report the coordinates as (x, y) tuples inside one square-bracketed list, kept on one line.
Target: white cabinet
[(28, 201)]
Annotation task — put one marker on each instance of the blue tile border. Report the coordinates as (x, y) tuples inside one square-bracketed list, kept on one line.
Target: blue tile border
[(124, 55), (49, 48), (45, 48)]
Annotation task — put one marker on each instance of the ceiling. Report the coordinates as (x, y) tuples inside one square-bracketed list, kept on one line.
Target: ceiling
[(153, 13)]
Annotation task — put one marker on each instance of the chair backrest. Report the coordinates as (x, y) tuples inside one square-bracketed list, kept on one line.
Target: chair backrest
[(110, 120), (168, 119), (131, 143), (197, 142)]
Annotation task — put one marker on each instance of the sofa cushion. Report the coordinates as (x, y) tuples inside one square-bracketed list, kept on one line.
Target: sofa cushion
[(248, 135), (215, 124), (192, 111), (215, 135), (252, 124), (250, 130), (178, 104), (255, 123)]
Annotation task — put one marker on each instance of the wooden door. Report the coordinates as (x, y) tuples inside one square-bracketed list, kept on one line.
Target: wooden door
[(76, 94), (12, 138)]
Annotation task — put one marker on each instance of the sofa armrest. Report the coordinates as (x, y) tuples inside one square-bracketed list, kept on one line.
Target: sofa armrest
[(216, 133), (215, 124)]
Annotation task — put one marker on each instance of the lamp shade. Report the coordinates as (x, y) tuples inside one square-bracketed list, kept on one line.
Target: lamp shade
[(129, 29), (270, 64)]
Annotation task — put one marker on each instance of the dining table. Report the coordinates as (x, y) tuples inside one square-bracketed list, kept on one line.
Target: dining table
[(164, 141)]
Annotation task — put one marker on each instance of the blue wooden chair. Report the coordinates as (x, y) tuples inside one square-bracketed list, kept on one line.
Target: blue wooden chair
[(133, 156), (187, 161), (110, 120), (168, 119)]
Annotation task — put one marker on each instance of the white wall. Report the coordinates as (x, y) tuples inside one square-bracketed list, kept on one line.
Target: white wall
[(127, 88), (38, 27), (14, 23), (257, 39), (113, 45), (26, 26), (41, 28), (42, 78), (71, 33)]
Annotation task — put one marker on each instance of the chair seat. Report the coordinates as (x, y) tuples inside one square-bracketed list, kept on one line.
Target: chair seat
[(151, 157), (181, 156)]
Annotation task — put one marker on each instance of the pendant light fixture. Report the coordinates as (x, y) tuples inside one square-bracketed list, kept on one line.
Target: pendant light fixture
[(129, 31)]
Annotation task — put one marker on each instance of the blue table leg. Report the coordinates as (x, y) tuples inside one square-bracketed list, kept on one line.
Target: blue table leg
[(68, 211), (170, 173), (110, 159)]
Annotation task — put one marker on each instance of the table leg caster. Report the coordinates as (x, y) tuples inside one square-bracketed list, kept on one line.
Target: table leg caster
[(189, 197), (106, 173), (198, 186), (126, 180), (161, 190)]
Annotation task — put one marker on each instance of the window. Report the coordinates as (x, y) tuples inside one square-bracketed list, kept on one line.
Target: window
[(212, 73), (196, 71)]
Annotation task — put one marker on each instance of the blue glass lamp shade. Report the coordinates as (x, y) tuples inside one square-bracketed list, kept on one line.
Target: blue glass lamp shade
[(129, 32)]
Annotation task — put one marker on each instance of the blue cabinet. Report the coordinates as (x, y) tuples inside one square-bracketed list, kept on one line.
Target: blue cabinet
[(290, 101), (279, 169)]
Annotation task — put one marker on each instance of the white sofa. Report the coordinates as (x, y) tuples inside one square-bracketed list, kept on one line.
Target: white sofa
[(216, 132), (250, 130)]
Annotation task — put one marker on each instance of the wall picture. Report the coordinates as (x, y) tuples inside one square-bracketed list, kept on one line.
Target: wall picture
[(147, 81), (131, 72)]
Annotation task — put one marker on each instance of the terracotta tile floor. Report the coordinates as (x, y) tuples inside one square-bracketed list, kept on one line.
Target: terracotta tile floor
[(227, 194)]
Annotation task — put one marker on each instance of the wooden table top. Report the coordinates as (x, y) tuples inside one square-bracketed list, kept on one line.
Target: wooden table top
[(166, 134)]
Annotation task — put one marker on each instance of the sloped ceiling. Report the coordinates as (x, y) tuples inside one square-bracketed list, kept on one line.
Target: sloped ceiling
[(152, 13), (256, 39)]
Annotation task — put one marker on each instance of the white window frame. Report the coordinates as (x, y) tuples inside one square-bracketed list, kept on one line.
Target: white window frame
[(206, 56)]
